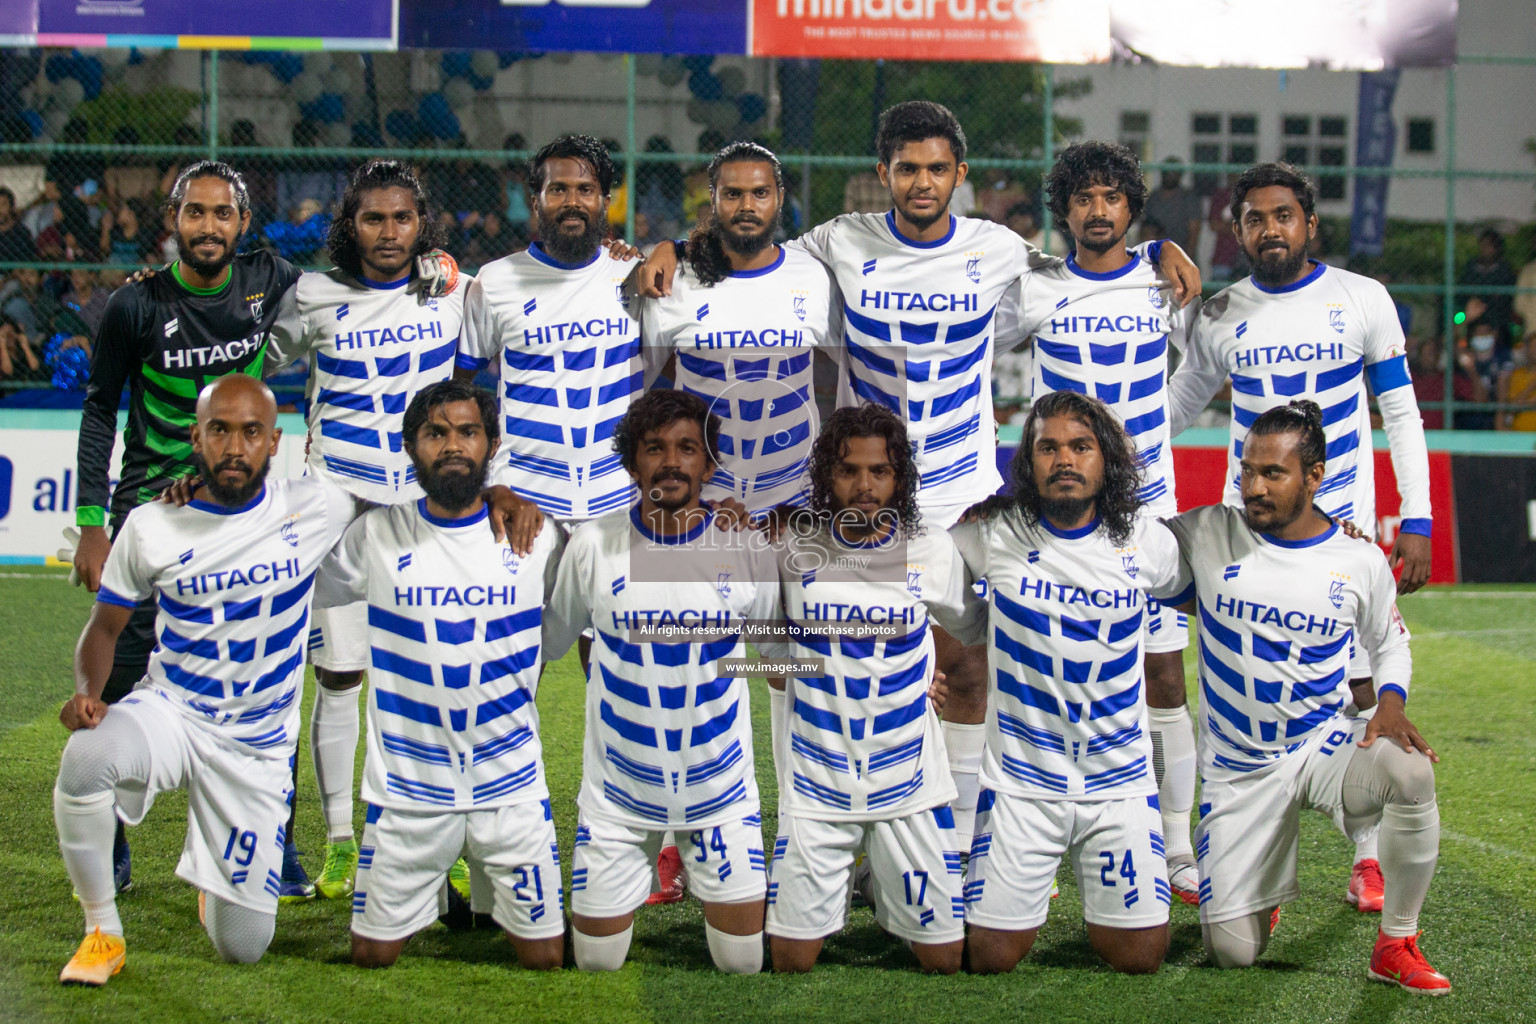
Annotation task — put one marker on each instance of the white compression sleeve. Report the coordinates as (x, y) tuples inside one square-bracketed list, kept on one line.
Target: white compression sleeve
[(1173, 748), (601, 952), (1410, 453), (735, 954), (964, 744), (333, 733)]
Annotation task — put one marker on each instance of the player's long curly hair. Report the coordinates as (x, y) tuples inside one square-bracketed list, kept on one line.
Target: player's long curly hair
[(657, 409), (867, 420), (378, 174), (1116, 503), (706, 252), (1095, 163)]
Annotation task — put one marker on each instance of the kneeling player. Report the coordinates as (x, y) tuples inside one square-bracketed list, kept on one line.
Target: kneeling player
[(217, 713), (668, 731), (1282, 596), (1067, 770), (454, 762), (861, 760)]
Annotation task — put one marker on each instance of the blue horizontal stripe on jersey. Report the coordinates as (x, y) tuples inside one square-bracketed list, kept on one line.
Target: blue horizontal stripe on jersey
[(892, 756), (786, 439), (967, 328), (623, 352), (354, 368), (339, 431), (1243, 384), (489, 750), (706, 731), (906, 644), (630, 385), (951, 472), (895, 794), (1011, 725), (1298, 727), (1342, 444), (1115, 667), (205, 685), (539, 465), (398, 625), (650, 774), (532, 394), (1151, 491), (506, 704), (1329, 379), (899, 717), (1114, 740), (1056, 382), (345, 400), (534, 430), (714, 650), (394, 366), (509, 664), (1080, 629), (634, 732), (701, 367), (1341, 410), (1219, 705), (357, 470), (821, 719), (620, 687), (1322, 652), (1026, 772), (822, 794), (278, 704), (1115, 702), (1288, 385), (1270, 650), (634, 654), (1338, 481), (1076, 671), (174, 641), (235, 611), (277, 737), (1229, 638), (508, 783), (1107, 355), (415, 789), (511, 625), (280, 672), (705, 808), (605, 465), (581, 359), (400, 665), (1061, 351), (632, 804), (522, 360), (292, 596), (1021, 653), (717, 765), (712, 690), (1145, 388), (1146, 421), (1022, 614), (405, 707), (1147, 456), (1150, 350), (869, 392), (1226, 673), (604, 429), (1115, 776), (867, 326), (763, 481), (1125, 627), (1030, 696), (604, 503), (1315, 689), (898, 681), (184, 612), (416, 750), (952, 435), (1109, 394), (432, 358), (959, 364)]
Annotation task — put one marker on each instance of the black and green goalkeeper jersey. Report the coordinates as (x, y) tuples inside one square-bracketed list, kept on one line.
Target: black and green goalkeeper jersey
[(166, 340)]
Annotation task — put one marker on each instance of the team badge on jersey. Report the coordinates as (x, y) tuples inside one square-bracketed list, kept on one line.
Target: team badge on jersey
[(723, 584), (798, 299), (1336, 317), (1155, 296), (509, 560), (1336, 589), (914, 582), (289, 531), (1128, 563), (973, 266)]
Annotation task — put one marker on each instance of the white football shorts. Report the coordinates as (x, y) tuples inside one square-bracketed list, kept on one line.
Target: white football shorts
[(613, 866), (914, 869)]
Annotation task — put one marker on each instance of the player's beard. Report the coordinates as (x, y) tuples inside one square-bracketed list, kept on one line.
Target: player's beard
[(747, 246), (923, 223), (855, 524), (205, 268), (1099, 247), (239, 494), (1276, 517), (1066, 510), (658, 496), (454, 490), (1276, 272), (571, 248)]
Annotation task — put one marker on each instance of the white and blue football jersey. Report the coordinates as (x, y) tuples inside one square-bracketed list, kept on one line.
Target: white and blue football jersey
[(1276, 622), (1107, 335), (918, 332), (745, 345), (1066, 712), (370, 348), (1318, 339), (864, 742), (233, 588), (569, 355), (454, 626), (668, 730)]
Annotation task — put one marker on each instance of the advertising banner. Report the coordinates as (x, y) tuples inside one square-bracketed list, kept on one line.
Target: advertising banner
[(18, 22), (362, 24), (617, 26), (1375, 145), (1054, 31)]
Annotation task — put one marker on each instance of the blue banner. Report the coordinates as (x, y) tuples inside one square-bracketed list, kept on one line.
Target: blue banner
[(619, 26), (371, 20), (1375, 145)]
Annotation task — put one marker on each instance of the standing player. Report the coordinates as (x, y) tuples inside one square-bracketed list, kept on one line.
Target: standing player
[(454, 760), (860, 754), (1069, 563), (371, 343), (1101, 322), (1282, 595), (920, 290), (218, 713), (668, 731), (1299, 328), (745, 318), (554, 316)]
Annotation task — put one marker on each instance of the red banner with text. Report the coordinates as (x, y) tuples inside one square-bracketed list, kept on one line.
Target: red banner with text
[(1054, 31)]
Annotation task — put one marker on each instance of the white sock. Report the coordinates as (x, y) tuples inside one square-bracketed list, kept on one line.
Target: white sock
[(778, 730), (333, 731), (1365, 849), (86, 825), (601, 952), (735, 954), (1409, 848), (964, 744), (1173, 763)]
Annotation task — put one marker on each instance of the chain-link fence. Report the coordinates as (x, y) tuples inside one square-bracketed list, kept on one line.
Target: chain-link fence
[(93, 139)]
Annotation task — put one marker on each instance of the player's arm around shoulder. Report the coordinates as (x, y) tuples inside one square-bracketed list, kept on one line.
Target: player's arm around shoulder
[(568, 609), (343, 577), (951, 594)]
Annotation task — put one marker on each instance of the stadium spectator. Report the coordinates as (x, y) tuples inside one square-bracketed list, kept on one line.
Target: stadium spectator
[(863, 193), (696, 197), (1176, 208), (1489, 268), (259, 171), (69, 236), (514, 184), (468, 187), (1518, 386), (1227, 260), (1525, 303), (16, 242), (122, 239), (659, 191), (1429, 385), (43, 210), (301, 238), (488, 240), (170, 167), (127, 176), (309, 177), (18, 361), (70, 171), (24, 301), (86, 299), (996, 197)]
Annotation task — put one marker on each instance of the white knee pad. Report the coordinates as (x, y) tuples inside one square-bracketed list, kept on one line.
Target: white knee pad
[(735, 954), (240, 934), (1237, 943), (601, 952)]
